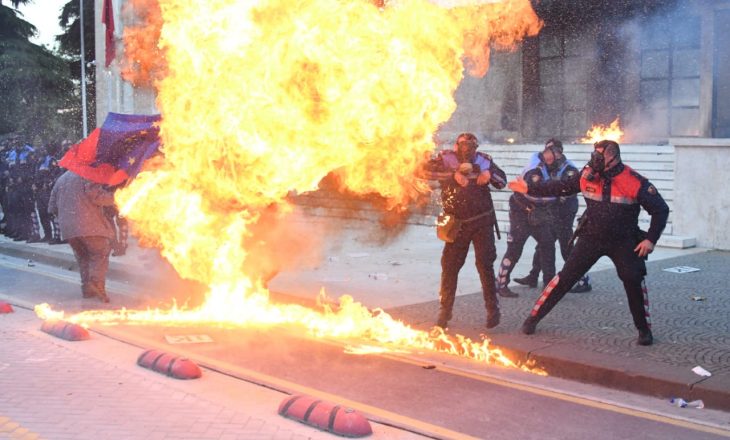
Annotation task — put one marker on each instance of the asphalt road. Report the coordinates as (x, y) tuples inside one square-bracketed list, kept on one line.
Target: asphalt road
[(424, 393)]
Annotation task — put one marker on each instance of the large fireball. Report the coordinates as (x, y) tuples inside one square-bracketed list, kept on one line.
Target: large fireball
[(262, 99)]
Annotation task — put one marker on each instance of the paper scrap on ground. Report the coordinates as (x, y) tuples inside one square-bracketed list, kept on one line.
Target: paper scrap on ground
[(681, 403), (701, 371), (681, 269), (358, 254)]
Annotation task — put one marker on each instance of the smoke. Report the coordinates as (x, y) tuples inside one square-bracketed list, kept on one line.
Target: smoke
[(143, 63), (666, 91)]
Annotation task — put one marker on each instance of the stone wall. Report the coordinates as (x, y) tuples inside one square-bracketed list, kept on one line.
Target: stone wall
[(702, 196)]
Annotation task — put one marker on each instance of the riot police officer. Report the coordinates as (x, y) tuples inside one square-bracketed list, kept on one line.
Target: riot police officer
[(614, 195), (564, 210), (465, 175), (532, 216)]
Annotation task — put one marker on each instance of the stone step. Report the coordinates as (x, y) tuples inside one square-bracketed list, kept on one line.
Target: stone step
[(655, 162)]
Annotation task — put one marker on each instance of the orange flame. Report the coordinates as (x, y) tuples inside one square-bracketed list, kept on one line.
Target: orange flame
[(597, 133), (264, 98)]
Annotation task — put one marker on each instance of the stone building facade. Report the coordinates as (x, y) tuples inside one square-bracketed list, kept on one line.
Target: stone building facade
[(661, 66)]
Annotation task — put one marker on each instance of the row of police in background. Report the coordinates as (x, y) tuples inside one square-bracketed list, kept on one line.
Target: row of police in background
[(546, 219), (465, 176), (614, 195), (27, 177)]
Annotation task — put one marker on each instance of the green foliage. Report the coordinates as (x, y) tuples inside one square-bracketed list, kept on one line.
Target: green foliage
[(11, 26), (38, 98)]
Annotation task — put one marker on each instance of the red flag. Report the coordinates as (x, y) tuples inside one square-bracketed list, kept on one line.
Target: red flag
[(107, 17)]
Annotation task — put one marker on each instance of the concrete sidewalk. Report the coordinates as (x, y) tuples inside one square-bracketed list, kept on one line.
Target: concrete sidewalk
[(588, 337), (91, 390)]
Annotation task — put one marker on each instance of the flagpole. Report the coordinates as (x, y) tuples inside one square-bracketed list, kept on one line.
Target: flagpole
[(83, 69)]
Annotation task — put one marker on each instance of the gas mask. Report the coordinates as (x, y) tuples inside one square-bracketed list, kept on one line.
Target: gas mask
[(466, 151), (598, 164)]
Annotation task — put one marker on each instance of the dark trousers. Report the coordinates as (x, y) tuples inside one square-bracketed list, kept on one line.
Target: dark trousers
[(519, 231), (44, 217), (630, 267), (481, 233), (562, 230), (92, 254)]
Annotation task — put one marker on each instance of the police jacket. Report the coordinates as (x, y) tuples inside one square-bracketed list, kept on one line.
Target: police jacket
[(538, 171), (614, 200), (472, 200)]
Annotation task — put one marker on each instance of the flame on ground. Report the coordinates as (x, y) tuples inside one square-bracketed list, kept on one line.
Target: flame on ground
[(348, 320), (262, 99), (612, 132)]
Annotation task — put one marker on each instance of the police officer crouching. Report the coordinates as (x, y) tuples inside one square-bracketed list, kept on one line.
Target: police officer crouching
[(614, 195)]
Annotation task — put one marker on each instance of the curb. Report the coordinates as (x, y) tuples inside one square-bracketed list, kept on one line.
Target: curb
[(620, 373), (559, 360), (117, 271)]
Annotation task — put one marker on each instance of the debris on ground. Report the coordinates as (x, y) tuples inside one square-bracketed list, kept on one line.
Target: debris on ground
[(681, 403), (701, 371)]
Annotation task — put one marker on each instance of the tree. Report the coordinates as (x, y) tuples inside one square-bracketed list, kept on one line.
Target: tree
[(36, 91)]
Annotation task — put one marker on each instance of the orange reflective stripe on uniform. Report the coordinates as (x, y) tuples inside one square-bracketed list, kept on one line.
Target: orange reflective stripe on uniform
[(624, 188)]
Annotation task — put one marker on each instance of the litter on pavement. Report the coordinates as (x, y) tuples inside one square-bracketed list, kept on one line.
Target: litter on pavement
[(701, 371), (681, 269), (681, 403)]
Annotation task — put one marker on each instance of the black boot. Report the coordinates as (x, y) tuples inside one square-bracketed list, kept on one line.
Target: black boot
[(530, 325), (529, 280), (645, 337), (34, 239), (505, 292), (582, 286)]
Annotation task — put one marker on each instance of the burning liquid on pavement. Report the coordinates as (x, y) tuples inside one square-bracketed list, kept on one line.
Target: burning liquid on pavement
[(262, 99)]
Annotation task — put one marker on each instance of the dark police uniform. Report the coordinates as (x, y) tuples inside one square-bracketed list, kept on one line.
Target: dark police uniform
[(530, 215), (614, 200), (563, 211), (465, 203)]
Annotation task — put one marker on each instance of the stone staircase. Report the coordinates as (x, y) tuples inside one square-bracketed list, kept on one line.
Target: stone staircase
[(655, 162)]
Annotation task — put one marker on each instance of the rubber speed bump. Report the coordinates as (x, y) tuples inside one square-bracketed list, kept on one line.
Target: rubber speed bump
[(169, 365), (5, 308), (65, 330), (326, 416)]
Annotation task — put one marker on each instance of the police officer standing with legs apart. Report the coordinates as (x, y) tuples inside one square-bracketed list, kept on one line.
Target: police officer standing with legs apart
[(614, 196), (465, 176)]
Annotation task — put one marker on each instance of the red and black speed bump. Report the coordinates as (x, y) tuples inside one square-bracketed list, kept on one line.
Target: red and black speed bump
[(169, 365), (5, 308), (65, 330), (326, 416)]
